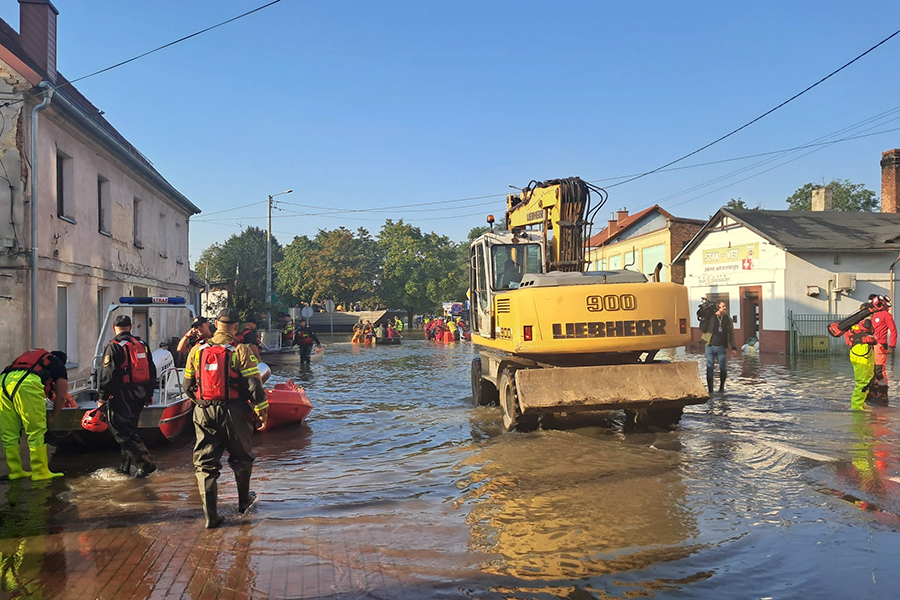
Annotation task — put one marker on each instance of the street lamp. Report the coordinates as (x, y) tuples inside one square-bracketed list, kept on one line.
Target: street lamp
[(269, 261)]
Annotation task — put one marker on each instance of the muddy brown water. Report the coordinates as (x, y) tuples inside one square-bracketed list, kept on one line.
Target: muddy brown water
[(398, 487)]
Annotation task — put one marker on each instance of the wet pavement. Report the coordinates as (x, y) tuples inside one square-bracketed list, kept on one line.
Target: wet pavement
[(397, 487)]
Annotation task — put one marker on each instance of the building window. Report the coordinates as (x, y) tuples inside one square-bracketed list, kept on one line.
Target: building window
[(65, 180), (615, 262), (163, 237), (179, 244), (101, 308), (837, 259), (652, 256), (62, 318), (103, 216), (138, 243)]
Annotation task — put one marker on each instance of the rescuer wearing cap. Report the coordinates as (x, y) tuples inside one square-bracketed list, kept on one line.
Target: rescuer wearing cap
[(248, 335), (305, 338), (199, 332), (222, 377), (23, 386), (125, 384)]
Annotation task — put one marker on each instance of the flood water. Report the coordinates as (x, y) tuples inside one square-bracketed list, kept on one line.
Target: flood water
[(397, 487)]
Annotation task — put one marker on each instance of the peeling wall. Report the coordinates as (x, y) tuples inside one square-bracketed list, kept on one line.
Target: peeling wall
[(94, 266)]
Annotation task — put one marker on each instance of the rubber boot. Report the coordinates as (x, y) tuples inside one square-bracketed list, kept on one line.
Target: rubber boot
[(245, 496), (40, 464), (14, 462), (209, 496), (709, 384), (125, 464), (722, 381)]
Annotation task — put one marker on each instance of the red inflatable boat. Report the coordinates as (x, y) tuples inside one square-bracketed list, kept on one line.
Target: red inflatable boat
[(288, 403)]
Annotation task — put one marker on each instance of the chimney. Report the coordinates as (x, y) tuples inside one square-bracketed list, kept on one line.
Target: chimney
[(37, 34), (821, 199), (612, 225), (890, 177), (621, 214)]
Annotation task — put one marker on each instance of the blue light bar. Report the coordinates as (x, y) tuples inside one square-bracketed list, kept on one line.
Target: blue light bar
[(149, 300)]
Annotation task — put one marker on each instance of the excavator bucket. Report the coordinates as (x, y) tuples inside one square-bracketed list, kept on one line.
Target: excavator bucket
[(612, 387)]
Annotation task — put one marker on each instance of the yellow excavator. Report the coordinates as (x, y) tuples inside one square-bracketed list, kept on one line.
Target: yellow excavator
[(554, 338)]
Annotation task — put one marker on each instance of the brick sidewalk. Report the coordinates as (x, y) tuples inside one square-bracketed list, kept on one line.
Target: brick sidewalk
[(180, 559)]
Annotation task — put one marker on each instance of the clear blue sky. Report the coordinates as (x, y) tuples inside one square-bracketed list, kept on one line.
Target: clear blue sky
[(360, 105)]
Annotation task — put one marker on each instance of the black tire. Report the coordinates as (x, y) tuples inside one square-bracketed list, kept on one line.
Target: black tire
[(668, 417), (483, 391), (513, 419)]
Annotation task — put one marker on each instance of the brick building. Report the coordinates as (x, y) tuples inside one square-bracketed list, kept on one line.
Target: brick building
[(641, 241)]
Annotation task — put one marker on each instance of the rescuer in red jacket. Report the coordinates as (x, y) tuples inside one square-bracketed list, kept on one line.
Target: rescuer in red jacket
[(886, 336)]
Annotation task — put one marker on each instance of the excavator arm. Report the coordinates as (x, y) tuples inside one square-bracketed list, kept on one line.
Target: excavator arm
[(562, 206)]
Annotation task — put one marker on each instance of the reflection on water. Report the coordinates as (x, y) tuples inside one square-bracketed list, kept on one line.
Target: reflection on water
[(398, 487)]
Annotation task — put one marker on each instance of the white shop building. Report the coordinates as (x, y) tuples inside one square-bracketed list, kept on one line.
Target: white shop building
[(771, 266)]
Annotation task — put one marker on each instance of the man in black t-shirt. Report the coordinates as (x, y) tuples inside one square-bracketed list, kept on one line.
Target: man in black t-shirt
[(722, 329)]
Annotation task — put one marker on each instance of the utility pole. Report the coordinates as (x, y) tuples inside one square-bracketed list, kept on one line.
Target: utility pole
[(269, 262)]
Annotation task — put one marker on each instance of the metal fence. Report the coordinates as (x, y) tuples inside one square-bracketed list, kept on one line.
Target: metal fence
[(809, 334)]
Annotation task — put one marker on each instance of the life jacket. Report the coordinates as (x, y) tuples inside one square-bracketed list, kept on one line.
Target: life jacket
[(137, 363), (860, 334), (218, 378), (35, 361), (302, 336)]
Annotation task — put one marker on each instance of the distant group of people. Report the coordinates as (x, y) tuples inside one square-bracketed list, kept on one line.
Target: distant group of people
[(366, 332), (445, 329)]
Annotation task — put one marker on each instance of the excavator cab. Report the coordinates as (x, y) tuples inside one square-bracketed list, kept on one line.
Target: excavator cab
[(498, 262)]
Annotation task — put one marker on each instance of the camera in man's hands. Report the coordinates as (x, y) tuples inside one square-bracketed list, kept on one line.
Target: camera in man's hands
[(706, 310)]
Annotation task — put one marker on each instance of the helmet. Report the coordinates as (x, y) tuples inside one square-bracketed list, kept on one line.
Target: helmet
[(95, 420)]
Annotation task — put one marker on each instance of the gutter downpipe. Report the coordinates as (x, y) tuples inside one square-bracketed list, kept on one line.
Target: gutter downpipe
[(48, 96), (893, 264)]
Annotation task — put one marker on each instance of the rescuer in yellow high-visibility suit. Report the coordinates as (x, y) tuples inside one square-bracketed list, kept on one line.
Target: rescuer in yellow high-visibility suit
[(23, 386), (861, 339)]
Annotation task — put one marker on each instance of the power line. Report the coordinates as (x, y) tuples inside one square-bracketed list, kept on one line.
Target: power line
[(179, 40), (235, 208), (780, 153), (765, 114), (816, 145)]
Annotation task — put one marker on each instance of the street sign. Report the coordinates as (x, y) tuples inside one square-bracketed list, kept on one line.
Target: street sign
[(306, 312), (329, 306)]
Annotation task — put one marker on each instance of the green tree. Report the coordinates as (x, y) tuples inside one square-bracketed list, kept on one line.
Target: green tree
[(338, 265), (418, 271), (846, 196), (736, 203), (240, 261), (295, 279)]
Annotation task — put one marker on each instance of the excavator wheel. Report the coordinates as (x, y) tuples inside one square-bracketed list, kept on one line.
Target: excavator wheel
[(513, 419), (483, 391)]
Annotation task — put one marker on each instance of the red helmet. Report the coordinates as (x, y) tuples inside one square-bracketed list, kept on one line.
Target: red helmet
[(95, 420)]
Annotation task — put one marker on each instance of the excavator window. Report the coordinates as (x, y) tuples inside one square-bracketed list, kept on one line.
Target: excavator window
[(512, 261)]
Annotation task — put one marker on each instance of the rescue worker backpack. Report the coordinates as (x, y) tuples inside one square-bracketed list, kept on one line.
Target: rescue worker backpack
[(137, 363), (218, 379), (35, 361), (860, 334)]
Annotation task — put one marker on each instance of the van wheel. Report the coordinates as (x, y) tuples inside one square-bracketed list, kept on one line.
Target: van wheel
[(484, 393), (513, 419)]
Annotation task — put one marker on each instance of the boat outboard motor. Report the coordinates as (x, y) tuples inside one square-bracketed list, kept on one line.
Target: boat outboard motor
[(878, 303), (163, 360)]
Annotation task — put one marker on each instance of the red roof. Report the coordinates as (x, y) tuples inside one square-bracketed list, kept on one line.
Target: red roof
[(605, 236)]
